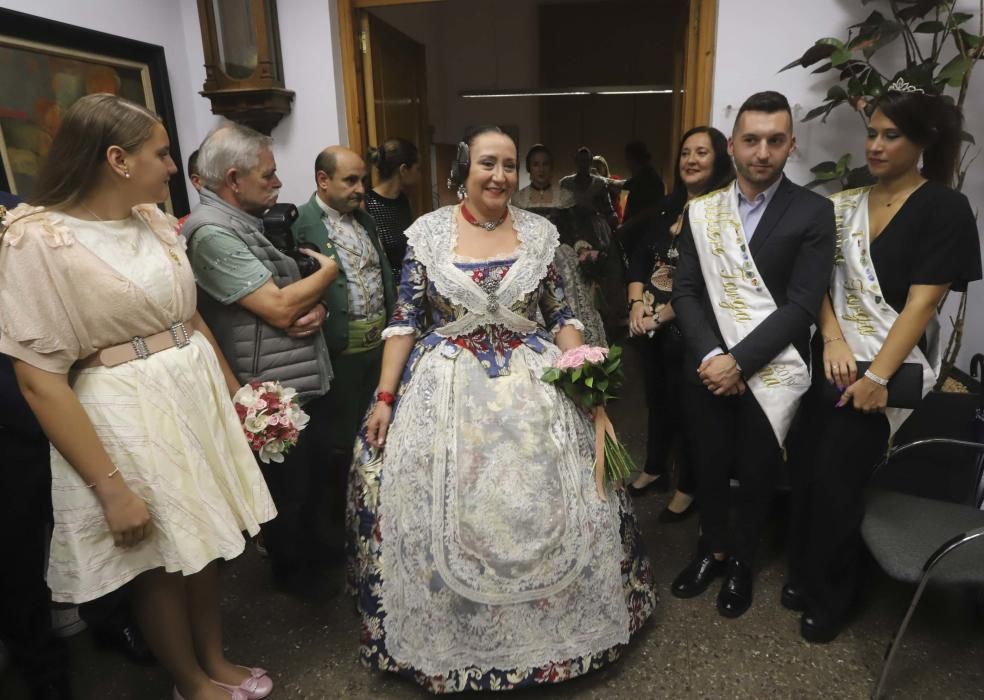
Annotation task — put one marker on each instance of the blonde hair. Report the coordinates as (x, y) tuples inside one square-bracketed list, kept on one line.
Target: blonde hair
[(89, 127)]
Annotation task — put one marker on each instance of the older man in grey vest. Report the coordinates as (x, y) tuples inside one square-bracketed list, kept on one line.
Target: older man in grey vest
[(267, 320)]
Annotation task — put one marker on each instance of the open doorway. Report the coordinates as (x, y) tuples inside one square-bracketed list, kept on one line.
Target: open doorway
[(562, 72)]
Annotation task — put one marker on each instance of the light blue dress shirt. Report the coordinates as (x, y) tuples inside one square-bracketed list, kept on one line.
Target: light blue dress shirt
[(751, 210)]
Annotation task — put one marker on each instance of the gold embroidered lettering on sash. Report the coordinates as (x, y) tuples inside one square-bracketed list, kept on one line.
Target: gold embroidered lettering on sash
[(717, 219)]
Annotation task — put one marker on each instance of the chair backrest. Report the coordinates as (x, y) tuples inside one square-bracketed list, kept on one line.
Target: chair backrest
[(969, 494)]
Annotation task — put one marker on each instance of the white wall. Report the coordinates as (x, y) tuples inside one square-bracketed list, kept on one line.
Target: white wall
[(750, 51)]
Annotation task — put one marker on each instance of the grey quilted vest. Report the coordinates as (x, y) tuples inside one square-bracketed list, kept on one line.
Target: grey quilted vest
[(255, 350)]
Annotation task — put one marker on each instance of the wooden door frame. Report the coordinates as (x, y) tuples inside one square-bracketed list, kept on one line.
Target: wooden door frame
[(353, 90), (698, 74)]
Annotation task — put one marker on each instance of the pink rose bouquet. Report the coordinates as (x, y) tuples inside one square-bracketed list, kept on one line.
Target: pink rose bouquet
[(271, 418), (591, 376)]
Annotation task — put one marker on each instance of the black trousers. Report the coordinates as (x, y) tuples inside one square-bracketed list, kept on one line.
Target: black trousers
[(731, 435), (667, 437), (25, 517), (300, 487), (831, 453)]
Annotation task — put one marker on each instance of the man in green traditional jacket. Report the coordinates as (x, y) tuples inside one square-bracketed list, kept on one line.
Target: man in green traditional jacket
[(359, 301)]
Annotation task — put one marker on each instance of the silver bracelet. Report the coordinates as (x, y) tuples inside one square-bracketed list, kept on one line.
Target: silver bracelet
[(875, 378)]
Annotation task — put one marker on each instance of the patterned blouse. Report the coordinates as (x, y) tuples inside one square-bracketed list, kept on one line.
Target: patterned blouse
[(427, 301)]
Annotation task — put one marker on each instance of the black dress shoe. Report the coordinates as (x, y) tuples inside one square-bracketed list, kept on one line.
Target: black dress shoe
[(661, 484), (817, 629), (697, 576), (126, 640), (792, 598), (669, 516), (736, 593)]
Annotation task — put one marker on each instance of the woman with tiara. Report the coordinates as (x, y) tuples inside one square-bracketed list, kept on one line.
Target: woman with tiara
[(901, 244)]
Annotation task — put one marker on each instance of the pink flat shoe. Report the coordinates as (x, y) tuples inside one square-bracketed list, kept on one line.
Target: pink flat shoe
[(235, 694), (257, 686)]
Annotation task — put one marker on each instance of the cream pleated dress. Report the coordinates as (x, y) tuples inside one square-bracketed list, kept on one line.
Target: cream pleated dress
[(69, 288)]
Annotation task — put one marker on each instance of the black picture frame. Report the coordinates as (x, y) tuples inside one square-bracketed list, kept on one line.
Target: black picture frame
[(25, 27)]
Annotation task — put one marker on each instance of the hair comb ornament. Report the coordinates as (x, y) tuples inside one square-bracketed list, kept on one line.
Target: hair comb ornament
[(901, 85)]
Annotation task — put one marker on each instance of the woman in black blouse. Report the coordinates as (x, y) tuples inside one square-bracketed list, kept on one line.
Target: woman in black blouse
[(398, 169), (901, 245), (703, 165)]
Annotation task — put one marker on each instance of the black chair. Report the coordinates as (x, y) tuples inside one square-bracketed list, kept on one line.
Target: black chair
[(909, 536)]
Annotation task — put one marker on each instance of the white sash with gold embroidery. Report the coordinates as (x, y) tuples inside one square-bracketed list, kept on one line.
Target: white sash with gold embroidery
[(864, 316), (741, 302)]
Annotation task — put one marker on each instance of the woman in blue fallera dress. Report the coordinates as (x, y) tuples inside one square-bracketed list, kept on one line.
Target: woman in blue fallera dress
[(483, 555)]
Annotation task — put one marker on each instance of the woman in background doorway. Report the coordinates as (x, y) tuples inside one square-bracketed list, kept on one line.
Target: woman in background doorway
[(547, 200), (703, 165), (594, 220), (599, 166), (398, 169)]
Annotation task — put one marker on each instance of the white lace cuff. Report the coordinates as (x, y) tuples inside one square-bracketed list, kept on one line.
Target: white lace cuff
[(569, 322), (391, 331)]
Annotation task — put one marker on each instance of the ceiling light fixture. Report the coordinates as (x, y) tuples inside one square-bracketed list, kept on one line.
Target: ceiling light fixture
[(565, 92)]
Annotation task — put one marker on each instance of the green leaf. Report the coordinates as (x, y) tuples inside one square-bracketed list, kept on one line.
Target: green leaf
[(836, 92), (858, 177), (968, 137), (840, 56), (958, 18), (824, 68), (953, 72), (970, 41), (614, 352), (919, 8), (576, 374), (843, 163), (603, 385), (929, 28), (817, 111), (830, 41), (824, 167), (812, 55)]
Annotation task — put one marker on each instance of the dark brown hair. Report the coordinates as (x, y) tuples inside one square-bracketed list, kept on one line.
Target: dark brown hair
[(391, 154), (89, 127), (933, 124), (768, 101), (722, 174)]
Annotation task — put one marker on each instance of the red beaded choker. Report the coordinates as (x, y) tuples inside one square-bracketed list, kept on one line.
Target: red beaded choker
[(487, 225)]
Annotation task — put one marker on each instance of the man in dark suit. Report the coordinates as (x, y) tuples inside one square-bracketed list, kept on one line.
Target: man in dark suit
[(747, 344)]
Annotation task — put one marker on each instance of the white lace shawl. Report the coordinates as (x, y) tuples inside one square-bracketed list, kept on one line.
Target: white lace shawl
[(434, 237)]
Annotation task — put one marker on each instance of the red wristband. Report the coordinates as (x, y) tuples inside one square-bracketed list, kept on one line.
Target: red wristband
[(386, 398)]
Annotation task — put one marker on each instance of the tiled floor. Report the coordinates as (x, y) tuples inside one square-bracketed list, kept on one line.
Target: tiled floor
[(686, 651)]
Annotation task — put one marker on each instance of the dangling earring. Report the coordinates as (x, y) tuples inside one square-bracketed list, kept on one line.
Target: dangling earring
[(126, 172), (462, 193)]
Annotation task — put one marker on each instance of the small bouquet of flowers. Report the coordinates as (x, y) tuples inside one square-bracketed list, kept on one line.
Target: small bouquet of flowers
[(591, 376), (590, 261), (271, 418)]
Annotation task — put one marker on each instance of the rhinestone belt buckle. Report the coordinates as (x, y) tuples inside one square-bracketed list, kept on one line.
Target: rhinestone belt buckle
[(139, 346), (182, 339)]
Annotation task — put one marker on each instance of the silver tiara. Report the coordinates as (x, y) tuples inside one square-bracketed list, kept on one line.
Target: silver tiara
[(901, 85)]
